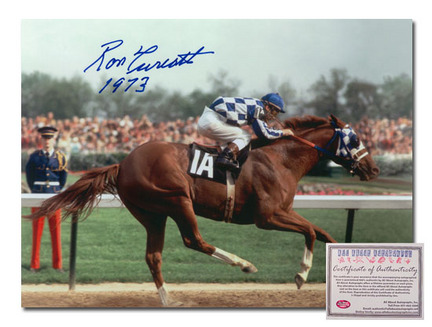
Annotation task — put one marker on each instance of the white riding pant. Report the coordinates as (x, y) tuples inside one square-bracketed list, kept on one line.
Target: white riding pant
[(211, 125)]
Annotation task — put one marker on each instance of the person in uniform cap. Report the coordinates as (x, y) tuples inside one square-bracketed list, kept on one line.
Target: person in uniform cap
[(223, 119), (46, 173)]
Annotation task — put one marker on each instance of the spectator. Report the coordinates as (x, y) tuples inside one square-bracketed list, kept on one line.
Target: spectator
[(64, 144), (75, 145), (95, 135), (46, 173), (386, 136)]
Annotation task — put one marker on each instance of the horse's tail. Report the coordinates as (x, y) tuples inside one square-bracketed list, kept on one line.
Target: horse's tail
[(81, 197)]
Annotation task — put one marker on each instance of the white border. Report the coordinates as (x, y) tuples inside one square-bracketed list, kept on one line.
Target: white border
[(14, 11)]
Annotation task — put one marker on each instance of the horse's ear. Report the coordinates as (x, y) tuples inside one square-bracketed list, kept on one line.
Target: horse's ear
[(333, 118)]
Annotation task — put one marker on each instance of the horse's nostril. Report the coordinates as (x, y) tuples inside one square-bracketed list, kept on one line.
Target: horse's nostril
[(375, 171)]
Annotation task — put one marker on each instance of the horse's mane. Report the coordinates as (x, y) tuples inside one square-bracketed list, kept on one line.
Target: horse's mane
[(305, 122), (298, 124)]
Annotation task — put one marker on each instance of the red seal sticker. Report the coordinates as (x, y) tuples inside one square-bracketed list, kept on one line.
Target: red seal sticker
[(343, 304)]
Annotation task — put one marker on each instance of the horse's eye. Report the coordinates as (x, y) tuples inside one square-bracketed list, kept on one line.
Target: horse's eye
[(354, 141)]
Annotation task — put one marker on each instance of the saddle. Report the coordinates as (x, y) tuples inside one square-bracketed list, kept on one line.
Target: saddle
[(202, 159), (201, 165)]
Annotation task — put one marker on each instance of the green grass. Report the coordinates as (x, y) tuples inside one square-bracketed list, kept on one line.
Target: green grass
[(111, 248)]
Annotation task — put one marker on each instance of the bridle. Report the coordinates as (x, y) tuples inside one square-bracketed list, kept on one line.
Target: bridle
[(349, 151), (349, 147)]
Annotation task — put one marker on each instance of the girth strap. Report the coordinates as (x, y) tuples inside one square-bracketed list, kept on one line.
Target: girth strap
[(229, 206)]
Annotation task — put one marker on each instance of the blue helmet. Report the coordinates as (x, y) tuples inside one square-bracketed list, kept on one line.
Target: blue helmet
[(275, 100)]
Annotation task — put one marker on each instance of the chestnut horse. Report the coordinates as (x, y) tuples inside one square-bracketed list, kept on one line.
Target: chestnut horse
[(153, 183)]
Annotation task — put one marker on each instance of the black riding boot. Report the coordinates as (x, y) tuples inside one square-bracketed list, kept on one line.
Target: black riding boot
[(227, 159)]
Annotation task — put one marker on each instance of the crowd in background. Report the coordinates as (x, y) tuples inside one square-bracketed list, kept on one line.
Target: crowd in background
[(94, 135), (386, 136)]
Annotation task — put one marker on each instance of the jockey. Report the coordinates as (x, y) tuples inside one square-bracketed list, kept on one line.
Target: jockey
[(223, 119)]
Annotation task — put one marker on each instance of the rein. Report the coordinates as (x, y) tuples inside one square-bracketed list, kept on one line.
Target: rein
[(313, 145), (350, 164)]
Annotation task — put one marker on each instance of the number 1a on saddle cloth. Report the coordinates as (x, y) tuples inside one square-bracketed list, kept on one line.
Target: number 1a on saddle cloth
[(201, 162)]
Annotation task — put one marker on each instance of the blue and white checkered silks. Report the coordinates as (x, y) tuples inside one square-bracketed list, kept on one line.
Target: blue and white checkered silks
[(349, 144), (238, 111)]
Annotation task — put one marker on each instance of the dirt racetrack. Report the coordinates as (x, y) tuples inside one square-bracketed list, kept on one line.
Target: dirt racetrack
[(118, 295)]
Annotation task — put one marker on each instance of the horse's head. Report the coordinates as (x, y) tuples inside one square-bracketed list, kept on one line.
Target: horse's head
[(354, 156)]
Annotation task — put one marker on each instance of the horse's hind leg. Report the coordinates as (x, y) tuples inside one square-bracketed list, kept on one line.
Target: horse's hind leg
[(188, 226), (234, 260), (155, 227), (155, 241)]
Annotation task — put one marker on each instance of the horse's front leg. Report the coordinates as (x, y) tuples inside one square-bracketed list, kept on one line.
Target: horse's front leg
[(292, 221)]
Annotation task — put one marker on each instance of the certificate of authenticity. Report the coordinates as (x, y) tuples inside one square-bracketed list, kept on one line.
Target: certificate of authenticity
[(374, 281)]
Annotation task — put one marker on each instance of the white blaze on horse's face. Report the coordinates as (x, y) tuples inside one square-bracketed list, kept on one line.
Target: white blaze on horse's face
[(349, 144)]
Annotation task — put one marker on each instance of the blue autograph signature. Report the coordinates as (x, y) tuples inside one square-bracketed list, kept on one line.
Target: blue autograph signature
[(107, 61)]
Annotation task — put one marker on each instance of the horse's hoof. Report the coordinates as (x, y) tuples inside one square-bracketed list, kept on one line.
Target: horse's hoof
[(299, 281), (249, 269)]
